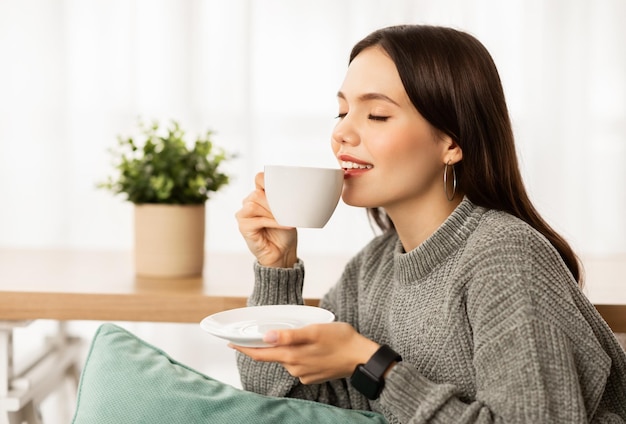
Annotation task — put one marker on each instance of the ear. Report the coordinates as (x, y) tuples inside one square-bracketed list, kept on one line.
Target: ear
[(452, 152)]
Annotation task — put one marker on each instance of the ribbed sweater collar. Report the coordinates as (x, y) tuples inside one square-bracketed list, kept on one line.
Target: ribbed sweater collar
[(447, 239)]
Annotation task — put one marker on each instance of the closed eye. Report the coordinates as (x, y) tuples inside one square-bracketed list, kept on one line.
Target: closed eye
[(341, 116), (378, 118)]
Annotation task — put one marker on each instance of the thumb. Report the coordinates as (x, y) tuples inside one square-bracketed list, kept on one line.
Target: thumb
[(271, 337), (287, 337)]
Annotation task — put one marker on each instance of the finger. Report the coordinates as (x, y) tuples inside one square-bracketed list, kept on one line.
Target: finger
[(298, 336), (257, 197), (307, 375), (251, 225), (252, 210), (259, 180), (312, 378), (266, 354)]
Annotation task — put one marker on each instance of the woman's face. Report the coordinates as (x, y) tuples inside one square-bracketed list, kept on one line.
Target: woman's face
[(391, 155)]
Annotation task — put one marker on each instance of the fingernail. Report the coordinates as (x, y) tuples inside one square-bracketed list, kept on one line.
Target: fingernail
[(270, 337)]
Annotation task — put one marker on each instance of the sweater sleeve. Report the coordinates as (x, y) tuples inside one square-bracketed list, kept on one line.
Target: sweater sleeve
[(284, 286), (533, 351)]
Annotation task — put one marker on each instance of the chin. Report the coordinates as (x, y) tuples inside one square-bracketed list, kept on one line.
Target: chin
[(356, 202)]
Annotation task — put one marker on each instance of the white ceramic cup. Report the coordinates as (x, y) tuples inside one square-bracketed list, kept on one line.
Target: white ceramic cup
[(301, 196)]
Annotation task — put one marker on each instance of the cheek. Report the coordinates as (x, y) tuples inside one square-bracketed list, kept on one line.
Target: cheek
[(334, 146), (412, 158), (395, 149)]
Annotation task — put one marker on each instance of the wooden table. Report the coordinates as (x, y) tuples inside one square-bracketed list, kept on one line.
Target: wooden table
[(101, 285), (95, 285), (84, 285)]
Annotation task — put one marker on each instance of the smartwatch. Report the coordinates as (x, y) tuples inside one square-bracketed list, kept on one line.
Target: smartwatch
[(368, 378)]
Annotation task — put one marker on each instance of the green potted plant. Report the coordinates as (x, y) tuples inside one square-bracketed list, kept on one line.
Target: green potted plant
[(169, 181)]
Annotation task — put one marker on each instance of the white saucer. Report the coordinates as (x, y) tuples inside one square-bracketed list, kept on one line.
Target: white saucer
[(246, 326)]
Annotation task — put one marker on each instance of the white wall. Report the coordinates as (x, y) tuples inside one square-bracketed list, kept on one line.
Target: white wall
[(264, 75)]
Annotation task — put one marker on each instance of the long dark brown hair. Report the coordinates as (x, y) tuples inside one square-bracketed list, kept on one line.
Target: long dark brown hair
[(453, 82)]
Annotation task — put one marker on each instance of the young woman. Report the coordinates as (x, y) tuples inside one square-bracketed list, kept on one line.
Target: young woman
[(467, 307)]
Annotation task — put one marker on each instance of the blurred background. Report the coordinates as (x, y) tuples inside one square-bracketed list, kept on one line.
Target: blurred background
[(263, 75)]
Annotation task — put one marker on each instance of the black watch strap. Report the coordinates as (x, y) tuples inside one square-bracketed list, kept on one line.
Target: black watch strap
[(369, 378), (380, 361)]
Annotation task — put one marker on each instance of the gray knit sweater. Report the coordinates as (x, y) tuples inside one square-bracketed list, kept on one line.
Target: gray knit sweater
[(490, 324)]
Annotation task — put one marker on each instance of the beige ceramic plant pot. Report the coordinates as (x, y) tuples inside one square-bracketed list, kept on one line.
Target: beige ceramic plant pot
[(169, 240)]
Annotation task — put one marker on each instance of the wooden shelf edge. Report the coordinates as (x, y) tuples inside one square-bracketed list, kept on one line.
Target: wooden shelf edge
[(111, 307)]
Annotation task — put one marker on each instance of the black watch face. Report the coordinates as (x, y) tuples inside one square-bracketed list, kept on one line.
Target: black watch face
[(368, 385)]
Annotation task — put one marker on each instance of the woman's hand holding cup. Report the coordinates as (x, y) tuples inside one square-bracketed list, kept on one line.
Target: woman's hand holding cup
[(286, 197), (272, 244)]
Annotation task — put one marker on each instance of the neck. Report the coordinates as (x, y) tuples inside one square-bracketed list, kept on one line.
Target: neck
[(417, 221)]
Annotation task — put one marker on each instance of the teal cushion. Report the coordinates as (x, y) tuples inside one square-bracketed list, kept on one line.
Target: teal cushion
[(126, 380)]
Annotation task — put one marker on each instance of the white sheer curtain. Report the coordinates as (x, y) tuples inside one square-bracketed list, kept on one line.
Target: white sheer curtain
[(263, 75)]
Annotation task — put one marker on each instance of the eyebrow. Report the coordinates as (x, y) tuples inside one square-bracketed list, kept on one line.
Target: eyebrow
[(370, 96)]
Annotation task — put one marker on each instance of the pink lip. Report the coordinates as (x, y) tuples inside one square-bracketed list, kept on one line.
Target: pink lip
[(350, 173), (349, 158)]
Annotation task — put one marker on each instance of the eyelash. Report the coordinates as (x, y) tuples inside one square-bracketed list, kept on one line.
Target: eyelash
[(372, 117)]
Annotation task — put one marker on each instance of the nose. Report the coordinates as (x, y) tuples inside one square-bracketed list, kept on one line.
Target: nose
[(345, 132)]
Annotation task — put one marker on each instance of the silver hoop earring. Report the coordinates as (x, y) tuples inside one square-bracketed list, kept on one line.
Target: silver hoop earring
[(445, 181)]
